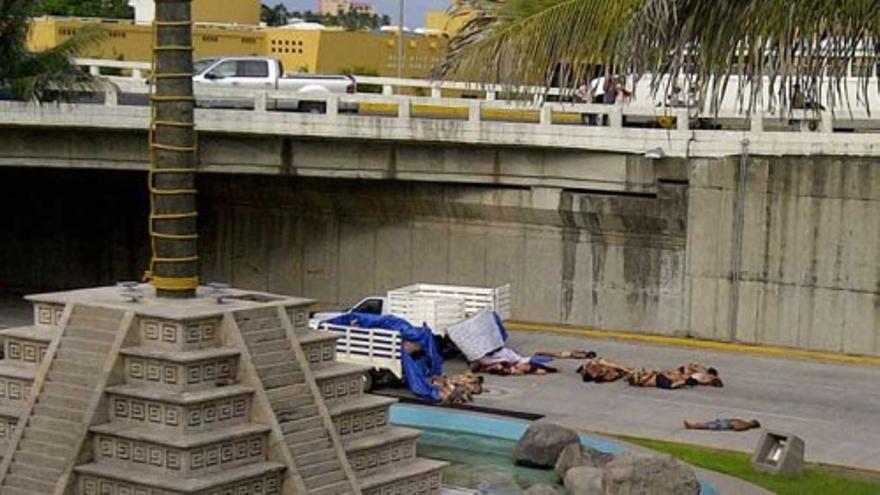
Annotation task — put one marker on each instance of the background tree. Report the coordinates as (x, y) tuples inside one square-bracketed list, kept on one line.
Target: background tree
[(41, 75), (85, 8), (278, 15), (775, 43), (274, 16)]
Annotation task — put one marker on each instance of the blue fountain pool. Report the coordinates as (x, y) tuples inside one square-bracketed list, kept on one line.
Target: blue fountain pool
[(479, 449)]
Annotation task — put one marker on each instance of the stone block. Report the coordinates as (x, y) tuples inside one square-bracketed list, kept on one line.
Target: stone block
[(542, 443), (584, 480), (779, 453)]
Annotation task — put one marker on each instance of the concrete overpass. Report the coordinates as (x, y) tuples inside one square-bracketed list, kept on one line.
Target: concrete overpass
[(765, 230)]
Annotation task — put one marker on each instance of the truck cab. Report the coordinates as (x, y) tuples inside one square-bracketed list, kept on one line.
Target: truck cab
[(374, 305), (239, 72)]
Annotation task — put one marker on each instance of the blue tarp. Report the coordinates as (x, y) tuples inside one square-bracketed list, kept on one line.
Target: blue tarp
[(416, 370)]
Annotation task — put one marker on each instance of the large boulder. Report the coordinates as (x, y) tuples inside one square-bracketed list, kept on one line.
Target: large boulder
[(541, 444), (631, 474), (576, 455), (542, 490), (584, 480)]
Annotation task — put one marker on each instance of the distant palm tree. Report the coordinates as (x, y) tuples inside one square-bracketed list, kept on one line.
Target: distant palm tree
[(780, 43), (40, 75)]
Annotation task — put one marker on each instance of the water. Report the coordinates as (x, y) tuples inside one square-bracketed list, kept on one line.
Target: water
[(480, 462)]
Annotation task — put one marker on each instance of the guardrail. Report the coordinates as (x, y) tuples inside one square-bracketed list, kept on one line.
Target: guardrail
[(484, 104)]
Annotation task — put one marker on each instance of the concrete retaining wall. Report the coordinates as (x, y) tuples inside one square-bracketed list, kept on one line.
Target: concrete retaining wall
[(809, 271), (810, 265), (608, 260)]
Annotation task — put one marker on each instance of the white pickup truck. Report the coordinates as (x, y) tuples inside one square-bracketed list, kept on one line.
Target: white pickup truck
[(435, 305), (438, 306), (265, 73)]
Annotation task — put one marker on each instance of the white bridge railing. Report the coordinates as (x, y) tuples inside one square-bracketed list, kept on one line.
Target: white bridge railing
[(415, 98), (465, 113)]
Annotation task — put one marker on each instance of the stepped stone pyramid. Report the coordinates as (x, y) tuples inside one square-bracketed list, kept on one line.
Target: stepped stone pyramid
[(104, 396)]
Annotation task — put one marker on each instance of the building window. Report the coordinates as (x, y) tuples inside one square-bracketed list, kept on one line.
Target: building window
[(210, 39)]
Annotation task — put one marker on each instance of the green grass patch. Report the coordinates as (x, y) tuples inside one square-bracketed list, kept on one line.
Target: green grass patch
[(814, 479)]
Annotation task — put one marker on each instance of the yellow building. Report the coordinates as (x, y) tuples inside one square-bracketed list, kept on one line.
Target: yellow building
[(126, 40), (336, 51), (441, 21), (231, 28), (327, 51), (245, 12)]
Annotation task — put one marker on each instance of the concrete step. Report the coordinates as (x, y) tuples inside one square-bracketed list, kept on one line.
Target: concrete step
[(66, 390), (267, 358), (325, 479), (19, 370), (400, 474), (308, 447), (31, 333), (320, 468), (363, 415), (305, 436), (319, 347), (305, 459), (39, 459), (368, 454), (292, 405), (167, 484), (340, 488), (298, 413), (35, 471), (173, 438), (258, 348), (313, 336), (55, 425), (283, 380), (25, 483), (341, 381), (92, 334), (67, 365), (56, 448), (82, 355), (72, 414), (181, 398), (183, 357), (83, 345), (82, 380), (53, 437), (96, 317), (272, 370), (288, 392), (302, 424), (9, 490), (60, 401), (274, 334)]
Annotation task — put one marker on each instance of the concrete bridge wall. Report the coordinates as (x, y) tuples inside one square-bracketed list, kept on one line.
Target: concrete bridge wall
[(809, 274)]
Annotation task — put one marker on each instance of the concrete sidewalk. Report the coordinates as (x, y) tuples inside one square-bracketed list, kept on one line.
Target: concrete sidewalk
[(833, 407)]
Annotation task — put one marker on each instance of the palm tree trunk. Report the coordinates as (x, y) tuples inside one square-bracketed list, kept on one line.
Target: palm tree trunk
[(173, 228)]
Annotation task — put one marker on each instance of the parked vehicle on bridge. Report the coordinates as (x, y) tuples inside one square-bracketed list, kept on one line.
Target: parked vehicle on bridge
[(265, 73)]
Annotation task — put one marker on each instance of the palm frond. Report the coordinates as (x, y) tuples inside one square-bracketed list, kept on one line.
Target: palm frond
[(770, 46), (51, 74)]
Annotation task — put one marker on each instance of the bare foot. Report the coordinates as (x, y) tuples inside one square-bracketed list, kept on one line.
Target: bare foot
[(688, 425)]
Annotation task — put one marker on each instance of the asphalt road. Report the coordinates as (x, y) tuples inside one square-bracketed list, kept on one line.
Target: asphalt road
[(835, 408)]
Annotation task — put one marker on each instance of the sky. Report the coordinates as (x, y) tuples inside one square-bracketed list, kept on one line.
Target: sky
[(415, 9)]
